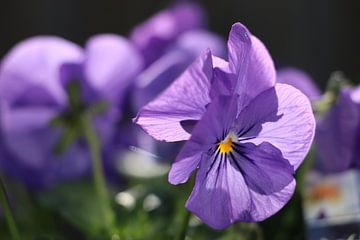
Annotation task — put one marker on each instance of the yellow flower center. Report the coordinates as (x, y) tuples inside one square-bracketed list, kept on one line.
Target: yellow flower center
[(226, 145)]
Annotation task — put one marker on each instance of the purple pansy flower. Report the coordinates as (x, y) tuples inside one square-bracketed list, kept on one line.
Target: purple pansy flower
[(337, 133), (34, 77), (299, 80), (355, 96), (246, 134)]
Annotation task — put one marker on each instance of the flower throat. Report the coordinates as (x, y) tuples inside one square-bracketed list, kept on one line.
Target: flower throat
[(226, 145)]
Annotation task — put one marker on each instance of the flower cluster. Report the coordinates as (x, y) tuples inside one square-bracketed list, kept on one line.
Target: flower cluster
[(241, 127), (47, 83)]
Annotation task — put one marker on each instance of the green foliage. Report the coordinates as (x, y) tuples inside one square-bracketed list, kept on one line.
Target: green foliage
[(77, 204), (155, 210)]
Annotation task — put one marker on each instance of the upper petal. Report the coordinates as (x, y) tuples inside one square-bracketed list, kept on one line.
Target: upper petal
[(299, 80), (283, 117), (184, 99), (250, 61), (31, 69), (111, 65)]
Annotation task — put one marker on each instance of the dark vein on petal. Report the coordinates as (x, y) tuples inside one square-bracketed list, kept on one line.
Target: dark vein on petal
[(235, 162), (217, 170), (213, 162)]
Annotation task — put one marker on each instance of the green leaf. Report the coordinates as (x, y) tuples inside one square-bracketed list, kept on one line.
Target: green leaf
[(76, 202)]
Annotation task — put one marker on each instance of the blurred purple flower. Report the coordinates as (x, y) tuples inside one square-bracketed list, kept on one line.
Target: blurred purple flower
[(154, 35), (169, 45), (34, 77), (249, 134), (337, 133), (178, 56), (299, 80)]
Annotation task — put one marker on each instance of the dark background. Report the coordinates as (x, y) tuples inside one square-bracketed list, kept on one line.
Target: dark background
[(319, 36)]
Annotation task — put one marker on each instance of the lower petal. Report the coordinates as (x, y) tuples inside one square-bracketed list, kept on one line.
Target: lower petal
[(222, 195)]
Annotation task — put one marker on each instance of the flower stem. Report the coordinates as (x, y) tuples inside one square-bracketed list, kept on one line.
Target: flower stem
[(98, 172), (184, 225), (4, 200)]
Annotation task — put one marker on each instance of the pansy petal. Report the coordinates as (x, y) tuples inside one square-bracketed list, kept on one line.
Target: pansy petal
[(283, 117), (34, 66), (299, 80), (111, 64), (264, 168), (182, 168), (261, 74), (239, 46), (27, 135), (154, 35), (269, 177), (221, 181), (220, 63), (32, 177), (184, 99), (250, 61), (264, 206), (336, 134), (55, 169), (29, 142), (220, 195), (222, 84), (158, 76), (195, 42)]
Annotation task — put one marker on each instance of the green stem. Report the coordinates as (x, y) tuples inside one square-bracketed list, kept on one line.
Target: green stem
[(245, 230), (98, 172), (7, 212), (184, 225)]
